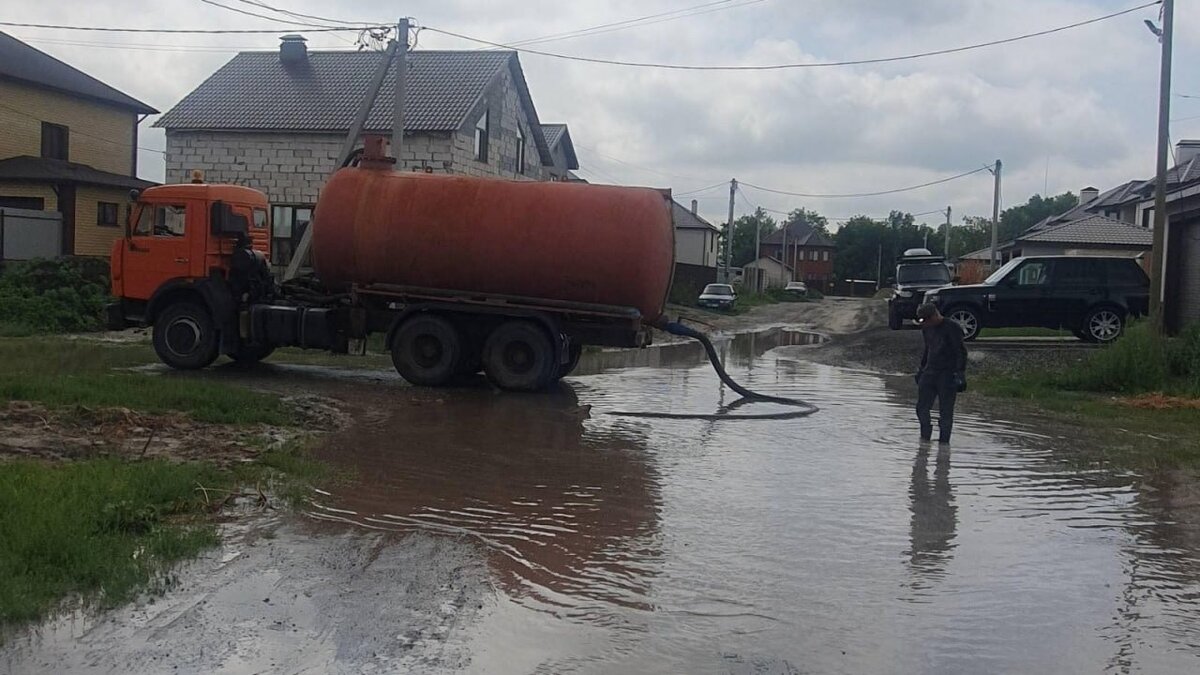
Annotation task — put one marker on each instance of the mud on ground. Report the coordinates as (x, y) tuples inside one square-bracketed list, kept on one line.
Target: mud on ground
[(33, 431)]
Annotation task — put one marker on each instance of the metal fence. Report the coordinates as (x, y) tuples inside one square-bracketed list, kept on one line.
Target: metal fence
[(26, 234)]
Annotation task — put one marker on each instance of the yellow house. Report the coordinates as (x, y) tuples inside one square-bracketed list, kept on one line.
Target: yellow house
[(68, 144)]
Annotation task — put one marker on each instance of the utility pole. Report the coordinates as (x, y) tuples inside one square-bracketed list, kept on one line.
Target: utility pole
[(395, 47), (995, 214), (1159, 252), (946, 252), (401, 88), (729, 229), (878, 269), (783, 256)]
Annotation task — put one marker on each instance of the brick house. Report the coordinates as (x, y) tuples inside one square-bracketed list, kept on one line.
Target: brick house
[(276, 121), (68, 147), (809, 253)]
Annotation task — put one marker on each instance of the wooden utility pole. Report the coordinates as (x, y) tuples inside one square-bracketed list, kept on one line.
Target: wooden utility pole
[(995, 214), (946, 251), (1159, 252), (729, 229), (399, 94)]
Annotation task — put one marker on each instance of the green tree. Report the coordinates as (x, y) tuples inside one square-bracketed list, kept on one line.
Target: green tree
[(1017, 219), (743, 235), (813, 219)]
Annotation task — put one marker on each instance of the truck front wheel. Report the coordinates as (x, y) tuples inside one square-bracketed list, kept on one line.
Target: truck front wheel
[(427, 350), (185, 336), (519, 356)]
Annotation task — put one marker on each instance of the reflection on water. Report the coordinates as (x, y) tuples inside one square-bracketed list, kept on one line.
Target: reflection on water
[(565, 512), (737, 351), (833, 543), (934, 516)]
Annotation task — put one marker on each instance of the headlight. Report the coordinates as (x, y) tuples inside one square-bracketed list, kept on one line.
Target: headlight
[(904, 294)]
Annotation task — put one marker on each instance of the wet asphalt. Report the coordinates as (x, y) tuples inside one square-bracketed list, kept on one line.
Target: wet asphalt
[(492, 533)]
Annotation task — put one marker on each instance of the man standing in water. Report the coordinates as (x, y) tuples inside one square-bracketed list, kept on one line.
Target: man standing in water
[(943, 371)]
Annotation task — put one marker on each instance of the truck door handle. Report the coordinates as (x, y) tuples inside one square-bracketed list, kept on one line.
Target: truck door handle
[(181, 260)]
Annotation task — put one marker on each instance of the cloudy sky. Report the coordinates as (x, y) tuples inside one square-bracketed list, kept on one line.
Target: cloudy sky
[(1062, 111)]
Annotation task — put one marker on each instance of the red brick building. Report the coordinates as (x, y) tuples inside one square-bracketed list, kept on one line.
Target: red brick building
[(808, 251)]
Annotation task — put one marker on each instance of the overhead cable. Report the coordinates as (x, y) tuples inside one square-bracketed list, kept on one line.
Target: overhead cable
[(789, 66), (866, 194)]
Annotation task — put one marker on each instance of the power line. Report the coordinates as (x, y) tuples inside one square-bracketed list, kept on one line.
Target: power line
[(301, 15), (788, 66), (635, 166), (714, 186), (262, 16), (639, 22), (193, 31), (867, 194)]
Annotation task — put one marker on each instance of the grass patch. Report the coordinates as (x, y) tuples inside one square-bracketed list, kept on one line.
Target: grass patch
[(60, 372), (1096, 393), (98, 530)]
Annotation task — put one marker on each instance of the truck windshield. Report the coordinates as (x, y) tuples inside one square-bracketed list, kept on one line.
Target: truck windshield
[(923, 273)]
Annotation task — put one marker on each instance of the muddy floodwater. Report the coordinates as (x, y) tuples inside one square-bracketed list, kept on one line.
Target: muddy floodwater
[(833, 543), (494, 533)]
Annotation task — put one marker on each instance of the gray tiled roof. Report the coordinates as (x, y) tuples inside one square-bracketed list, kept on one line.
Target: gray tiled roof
[(1094, 229), (19, 61), (1118, 195), (255, 90), (686, 220), (554, 133), (799, 234), (43, 170)]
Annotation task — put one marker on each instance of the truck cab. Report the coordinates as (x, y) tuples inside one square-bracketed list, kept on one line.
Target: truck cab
[(195, 251)]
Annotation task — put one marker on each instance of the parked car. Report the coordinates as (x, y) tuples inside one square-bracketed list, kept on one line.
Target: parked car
[(718, 296), (1091, 296), (797, 288), (917, 272)]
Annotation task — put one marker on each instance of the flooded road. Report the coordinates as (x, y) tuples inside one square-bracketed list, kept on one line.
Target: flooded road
[(496, 533), (834, 543)]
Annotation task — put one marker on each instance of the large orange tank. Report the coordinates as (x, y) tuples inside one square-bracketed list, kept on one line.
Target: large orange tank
[(561, 241)]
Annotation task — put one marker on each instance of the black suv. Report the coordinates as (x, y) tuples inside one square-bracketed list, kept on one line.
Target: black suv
[(915, 275), (1091, 296)]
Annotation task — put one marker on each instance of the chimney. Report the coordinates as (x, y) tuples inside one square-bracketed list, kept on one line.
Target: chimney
[(695, 207), (1186, 150), (1088, 194), (292, 49)]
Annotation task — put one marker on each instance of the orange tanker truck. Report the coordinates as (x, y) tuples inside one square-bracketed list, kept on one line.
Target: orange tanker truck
[(460, 274)]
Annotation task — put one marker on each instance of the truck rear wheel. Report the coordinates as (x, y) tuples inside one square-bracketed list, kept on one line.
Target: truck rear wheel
[(185, 336), (427, 350), (519, 356), (574, 352)]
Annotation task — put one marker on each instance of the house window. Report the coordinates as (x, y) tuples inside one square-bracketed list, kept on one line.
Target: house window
[(520, 150), (812, 255), (1146, 214), (290, 223), (825, 256), (482, 128), (165, 220), (106, 214), (55, 138), (31, 203)]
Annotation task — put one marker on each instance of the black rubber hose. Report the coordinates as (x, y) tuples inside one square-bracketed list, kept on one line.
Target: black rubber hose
[(676, 328)]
